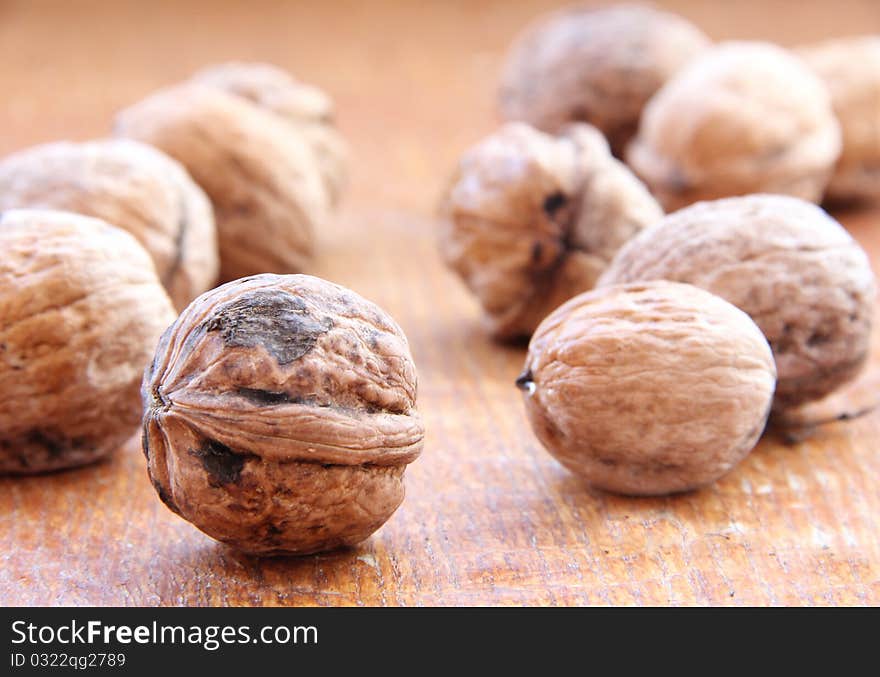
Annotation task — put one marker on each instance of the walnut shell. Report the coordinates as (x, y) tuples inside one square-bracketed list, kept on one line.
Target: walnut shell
[(805, 282), (280, 415), (129, 185), (81, 309), (648, 388), (743, 117), (261, 176), (530, 220), (307, 108), (851, 69), (596, 65)]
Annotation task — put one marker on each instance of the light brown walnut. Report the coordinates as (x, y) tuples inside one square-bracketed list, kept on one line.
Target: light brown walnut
[(596, 65), (129, 185), (851, 69), (280, 414), (308, 109), (81, 309), (531, 220), (743, 117), (261, 176), (796, 271), (648, 388)]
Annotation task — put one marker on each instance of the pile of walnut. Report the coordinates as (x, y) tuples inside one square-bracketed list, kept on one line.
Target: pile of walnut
[(279, 411), (642, 386)]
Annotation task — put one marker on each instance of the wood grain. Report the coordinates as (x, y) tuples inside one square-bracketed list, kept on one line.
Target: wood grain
[(490, 518)]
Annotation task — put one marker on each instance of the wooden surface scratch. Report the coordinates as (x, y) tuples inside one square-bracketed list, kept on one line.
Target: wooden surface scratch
[(489, 517)]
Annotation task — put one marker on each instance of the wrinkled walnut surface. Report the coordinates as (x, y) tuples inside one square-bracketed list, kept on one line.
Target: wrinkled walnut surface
[(531, 219), (595, 65), (129, 185), (851, 69), (304, 106), (261, 176), (81, 309), (743, 117), (280, 415), (800, 276), (648, 388)]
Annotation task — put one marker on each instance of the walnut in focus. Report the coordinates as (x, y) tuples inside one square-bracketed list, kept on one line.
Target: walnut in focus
[(648, 388), (595, 65), (280, 415), (81, 309), (805, 282), (304, 106), (531, 220), (261, 175), (851, 69), (743, 117), (129, 185)]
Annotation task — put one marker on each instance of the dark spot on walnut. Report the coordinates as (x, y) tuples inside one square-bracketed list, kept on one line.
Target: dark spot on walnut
[(267, 397), (280, 322), (820, 336), (537, 251), (56, 446), (222, 464), (145, 440), (164, 497), (554, 202), (524, 381)]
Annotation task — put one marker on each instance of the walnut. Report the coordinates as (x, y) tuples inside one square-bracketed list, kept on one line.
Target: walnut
[(262, 177), (851, 69), (743, 117), (648, 388), (596, 65), (280, 415), (532, 219), (81, 309), (129, 185), (802, 278), (305, 107)]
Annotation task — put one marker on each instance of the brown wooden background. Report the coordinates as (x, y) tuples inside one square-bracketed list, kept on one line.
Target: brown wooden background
[(490, 518)]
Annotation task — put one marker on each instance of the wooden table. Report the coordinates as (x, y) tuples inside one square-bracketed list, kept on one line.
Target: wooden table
[(489, 518)]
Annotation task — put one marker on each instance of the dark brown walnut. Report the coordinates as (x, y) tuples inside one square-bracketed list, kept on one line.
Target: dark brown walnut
[(802, 278), (280, 415), (596, 65), (261, 176), (851, 69), (531, 220), (308, 109), (129, 185), (81, 309), (648, 388), (742, 117)]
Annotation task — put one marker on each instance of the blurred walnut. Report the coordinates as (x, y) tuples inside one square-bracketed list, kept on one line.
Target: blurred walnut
[(596, 65), (129, 185), (648, 388), (261, 175), (81, 309), (532, 219), (805, 282), (305, 107), (743, 117), (280, 415), (851, 69)]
